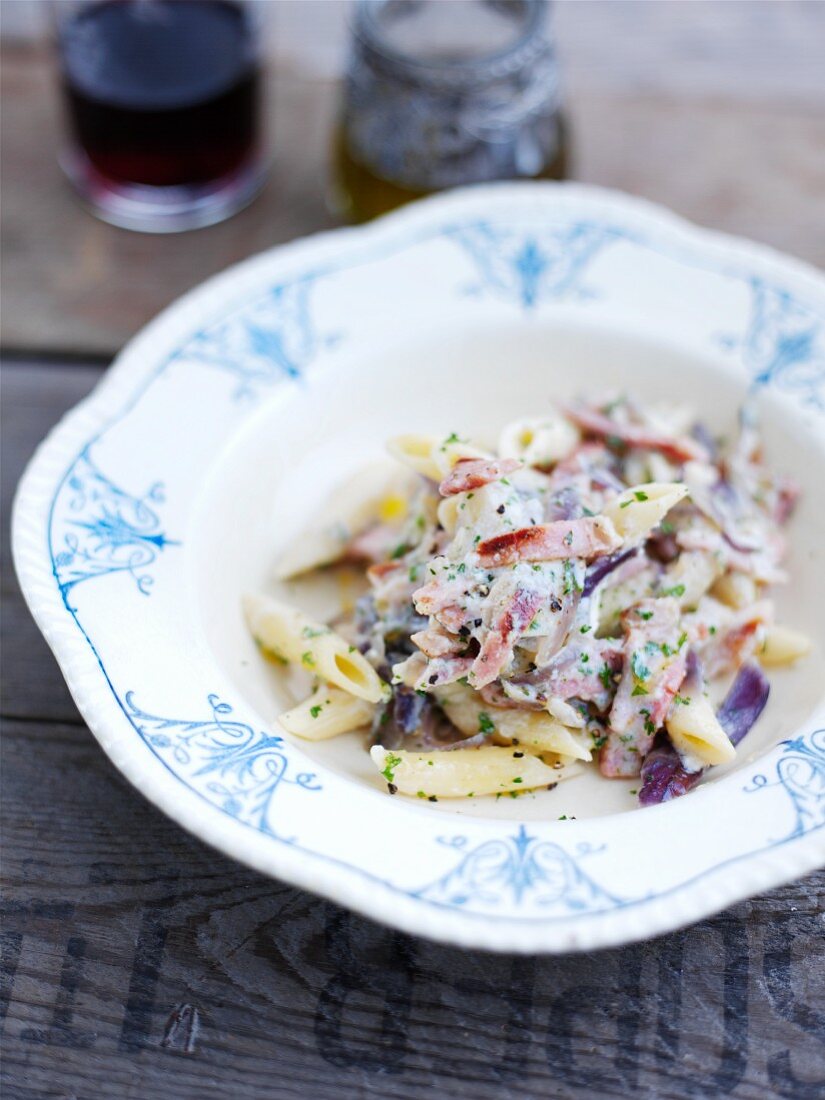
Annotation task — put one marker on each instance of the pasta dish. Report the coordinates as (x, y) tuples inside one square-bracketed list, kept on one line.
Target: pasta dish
[(576, 596)]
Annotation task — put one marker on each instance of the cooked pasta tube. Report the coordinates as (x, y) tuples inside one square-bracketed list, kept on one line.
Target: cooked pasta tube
[(431, 456), (690, 577), (736, 590), (782, 646), (292, 635), (695, 730), (539, 441), (462, 773), (636, 511), (535, 731), (328, 712), (380, 493), (416, 451)]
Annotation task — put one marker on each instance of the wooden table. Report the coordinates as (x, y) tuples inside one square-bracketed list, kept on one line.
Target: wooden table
[(137, 962)]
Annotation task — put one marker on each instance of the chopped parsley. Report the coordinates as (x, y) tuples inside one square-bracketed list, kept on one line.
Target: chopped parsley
[(461, 568), (639, 690), (649, 727), (606, 676), (585, 629), (637, 495), (681, 700), (485, 723), (400, 550), (307, 659), (413, 574), (640, 669), (677, 590), (666, 527), (571, 582), (568, 538), (316, 710), (311, 632), (391, 762), (646, 615)]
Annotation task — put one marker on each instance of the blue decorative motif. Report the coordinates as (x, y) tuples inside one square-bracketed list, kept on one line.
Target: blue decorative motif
[(273, 339), (98, 528), (783, 344), (800, 770), (237, 768), (518, 870), (529, 268)]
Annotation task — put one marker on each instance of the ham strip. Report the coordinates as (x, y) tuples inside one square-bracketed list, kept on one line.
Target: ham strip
[(436, 642), (513, 609), (678, 449), (654, 667), (443, 670), (472, 473), (587, 538)]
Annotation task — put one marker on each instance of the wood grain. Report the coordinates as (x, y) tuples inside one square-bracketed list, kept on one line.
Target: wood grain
[(716, 110), (139, 963)]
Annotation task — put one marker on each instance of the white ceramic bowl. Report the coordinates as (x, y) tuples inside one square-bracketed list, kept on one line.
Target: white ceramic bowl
[(219, 430)]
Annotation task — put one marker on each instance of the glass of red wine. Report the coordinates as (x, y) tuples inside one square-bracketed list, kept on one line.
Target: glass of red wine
[(163, 109)]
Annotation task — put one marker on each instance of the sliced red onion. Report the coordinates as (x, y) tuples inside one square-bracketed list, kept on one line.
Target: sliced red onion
[(664, 776), (602, 567), (744, 702), (565, 504)]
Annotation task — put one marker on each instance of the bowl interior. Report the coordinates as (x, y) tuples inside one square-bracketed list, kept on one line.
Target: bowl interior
[(273, 478)]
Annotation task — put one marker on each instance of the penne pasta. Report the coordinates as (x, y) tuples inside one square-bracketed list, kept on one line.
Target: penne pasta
[(416, 451), (695, 730), (431, 456), (328, 712), (536, 731), (737, 590), (539, 441), (782, 646), (379, 493), (690, 577), (293, 636), (636, 511), (462, 773)]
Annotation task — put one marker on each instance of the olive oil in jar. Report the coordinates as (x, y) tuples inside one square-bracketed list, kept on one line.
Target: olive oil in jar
[(442, 93)]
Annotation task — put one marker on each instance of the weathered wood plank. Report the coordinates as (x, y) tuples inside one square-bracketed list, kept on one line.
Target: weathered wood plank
[(137, 962), (712, 109), (33, 397), (121, 918)]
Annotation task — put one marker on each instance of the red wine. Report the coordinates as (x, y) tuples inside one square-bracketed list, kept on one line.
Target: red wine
[(162, 92)]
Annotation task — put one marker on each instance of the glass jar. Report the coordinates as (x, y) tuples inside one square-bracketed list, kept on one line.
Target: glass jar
[(441, 93)]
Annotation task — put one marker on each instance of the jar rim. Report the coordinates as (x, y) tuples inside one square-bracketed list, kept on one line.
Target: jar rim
[(499, 62)]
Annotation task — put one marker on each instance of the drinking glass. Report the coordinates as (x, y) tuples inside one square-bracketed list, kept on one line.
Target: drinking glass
[(162, 104)]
